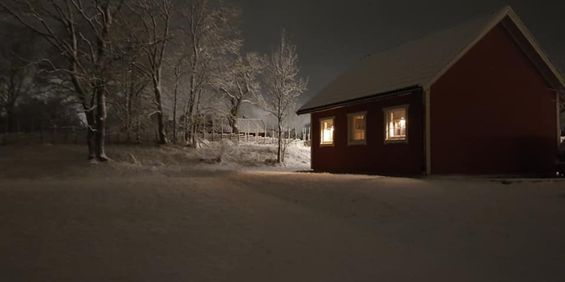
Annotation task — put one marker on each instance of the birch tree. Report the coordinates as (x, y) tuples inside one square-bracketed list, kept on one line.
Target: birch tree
[(154, 17), (284, 85), (129, 103), (178, 74), (210, 32)]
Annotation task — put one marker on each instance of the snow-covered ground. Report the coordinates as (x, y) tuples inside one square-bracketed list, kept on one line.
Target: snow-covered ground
[(180, 215), (224, 155)]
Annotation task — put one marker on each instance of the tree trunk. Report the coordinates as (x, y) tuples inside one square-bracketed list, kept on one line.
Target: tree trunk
[(90, 134), (101, 123), (279, 148), (186, 127), (129, 106), (192, 94), (161, 127), (234, 113), (175, 114), (193, 131), (197, 120), (189, 121), (232, 121), (162, 135)]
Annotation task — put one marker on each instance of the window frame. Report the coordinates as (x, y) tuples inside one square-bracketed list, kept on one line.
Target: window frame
[(387, 110), (321, 120), (350, 141)]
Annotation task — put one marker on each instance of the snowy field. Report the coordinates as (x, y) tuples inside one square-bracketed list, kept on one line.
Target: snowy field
[(173, 214)]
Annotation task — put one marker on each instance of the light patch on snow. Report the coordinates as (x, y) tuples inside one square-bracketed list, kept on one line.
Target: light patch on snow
[(222, 155)]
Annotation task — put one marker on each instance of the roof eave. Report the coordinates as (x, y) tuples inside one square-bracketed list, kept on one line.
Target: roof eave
[(356, 101), (533, 42)]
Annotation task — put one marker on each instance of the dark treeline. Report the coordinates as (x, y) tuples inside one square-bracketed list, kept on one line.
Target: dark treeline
[(131, 66)]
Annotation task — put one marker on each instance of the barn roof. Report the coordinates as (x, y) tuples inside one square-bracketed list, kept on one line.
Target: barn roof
[(250, 125), (417, 63)]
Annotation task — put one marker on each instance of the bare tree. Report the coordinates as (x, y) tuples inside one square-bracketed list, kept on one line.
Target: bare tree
[(81, 32), (129, 102), (210, 32), (284, 86), (16, 74), (238, 81), (155, 19), (178, 75)]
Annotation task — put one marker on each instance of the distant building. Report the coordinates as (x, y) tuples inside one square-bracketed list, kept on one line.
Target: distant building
[(478, 98), (252, 127)]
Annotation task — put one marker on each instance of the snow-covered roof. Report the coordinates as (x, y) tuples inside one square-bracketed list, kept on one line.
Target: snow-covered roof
[(417, 63), (250, 125)]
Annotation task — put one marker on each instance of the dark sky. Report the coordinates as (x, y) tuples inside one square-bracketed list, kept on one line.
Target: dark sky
[(333, 35)]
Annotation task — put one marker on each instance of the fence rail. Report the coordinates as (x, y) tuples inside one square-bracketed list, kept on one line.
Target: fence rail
[(78, 136)]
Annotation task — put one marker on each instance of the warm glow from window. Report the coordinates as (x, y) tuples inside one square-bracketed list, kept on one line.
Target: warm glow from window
[(327, 131), (357, 128), (396, 124)]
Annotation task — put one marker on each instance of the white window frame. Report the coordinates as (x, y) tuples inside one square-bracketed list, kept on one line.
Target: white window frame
[(386, 112), (321, 122), (350, 129)]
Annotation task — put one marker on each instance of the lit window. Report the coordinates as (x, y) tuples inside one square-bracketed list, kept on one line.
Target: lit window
[(396, 124), (357, 128), (327, 131)]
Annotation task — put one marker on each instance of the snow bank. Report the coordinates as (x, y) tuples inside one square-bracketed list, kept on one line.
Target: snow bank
[(220, 155)]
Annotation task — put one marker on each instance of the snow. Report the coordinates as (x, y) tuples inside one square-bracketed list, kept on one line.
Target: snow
[(48, 160), (169, 216), (250, 154), (224, 154)]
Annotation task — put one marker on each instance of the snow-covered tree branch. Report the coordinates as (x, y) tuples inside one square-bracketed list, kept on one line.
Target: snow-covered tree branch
[(284, 85)]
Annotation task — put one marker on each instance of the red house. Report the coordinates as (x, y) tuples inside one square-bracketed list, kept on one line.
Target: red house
[(478, 98)]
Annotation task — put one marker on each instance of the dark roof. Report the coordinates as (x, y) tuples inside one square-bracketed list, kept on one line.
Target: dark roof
[(414, 64)]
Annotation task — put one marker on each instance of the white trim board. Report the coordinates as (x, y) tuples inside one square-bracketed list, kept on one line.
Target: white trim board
[(428, 130), (558, 107)]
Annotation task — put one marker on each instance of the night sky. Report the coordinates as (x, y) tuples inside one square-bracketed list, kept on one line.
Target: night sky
[(333, 35)]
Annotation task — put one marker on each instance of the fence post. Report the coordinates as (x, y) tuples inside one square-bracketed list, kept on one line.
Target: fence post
[(222, 129), (213, 128)]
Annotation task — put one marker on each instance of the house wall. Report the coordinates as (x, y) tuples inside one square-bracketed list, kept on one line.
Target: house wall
[(493, 113), (375, 157)]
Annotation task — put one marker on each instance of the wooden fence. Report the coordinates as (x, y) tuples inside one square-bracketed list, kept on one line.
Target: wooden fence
[(78, 136)]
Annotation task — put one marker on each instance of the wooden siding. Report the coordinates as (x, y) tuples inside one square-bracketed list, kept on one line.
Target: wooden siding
[(493, 113), (375, 157)]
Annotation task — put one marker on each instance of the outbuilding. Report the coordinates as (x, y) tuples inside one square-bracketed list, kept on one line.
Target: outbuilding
[(478, 98)]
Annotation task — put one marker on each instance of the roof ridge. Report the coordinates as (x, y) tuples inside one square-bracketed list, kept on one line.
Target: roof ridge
[(418, 62)]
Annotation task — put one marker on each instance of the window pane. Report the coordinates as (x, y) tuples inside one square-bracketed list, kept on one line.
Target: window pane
[(327, 131), (396, 124), (357, 128)]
